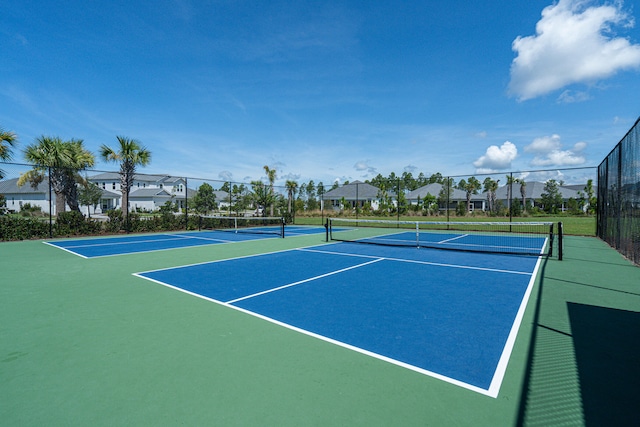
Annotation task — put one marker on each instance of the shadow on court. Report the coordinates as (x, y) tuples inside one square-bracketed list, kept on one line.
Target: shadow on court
[(583, 366), (607, 347)]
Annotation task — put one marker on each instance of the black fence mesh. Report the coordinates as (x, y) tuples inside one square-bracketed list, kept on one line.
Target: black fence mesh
[(618, 219)]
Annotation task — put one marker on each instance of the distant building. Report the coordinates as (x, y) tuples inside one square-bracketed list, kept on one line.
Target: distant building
[(353, 194), (416, 197), (534, 191)]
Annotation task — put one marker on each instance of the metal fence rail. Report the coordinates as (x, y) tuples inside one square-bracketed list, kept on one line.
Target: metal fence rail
[(618, 218)]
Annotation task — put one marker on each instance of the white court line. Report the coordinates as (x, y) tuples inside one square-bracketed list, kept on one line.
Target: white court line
[(121, 243), (453, 238), (437, 264), (65, 249), (304, 281), (491, 392), (501, 368)]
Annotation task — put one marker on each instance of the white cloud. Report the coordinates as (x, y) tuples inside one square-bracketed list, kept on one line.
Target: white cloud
[(544, 144), (410, 169), (364, 166), (569, 97), (225, 175), (548, 152), (573, 43), (497, 158)]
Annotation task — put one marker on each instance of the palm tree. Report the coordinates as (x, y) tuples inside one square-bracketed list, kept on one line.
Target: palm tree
[(490, 187), (63, 160), (510, 181), (129, 154), (470, 187), (523, 192), (271, 176), (7, 141), (292, 186)]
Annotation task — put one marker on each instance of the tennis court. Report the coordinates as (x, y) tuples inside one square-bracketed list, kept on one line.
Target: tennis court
[(308, 332), (110, 246), (452, 316)]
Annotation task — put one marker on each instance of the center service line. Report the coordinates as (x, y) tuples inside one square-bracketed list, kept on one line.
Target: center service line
[(304, 281)]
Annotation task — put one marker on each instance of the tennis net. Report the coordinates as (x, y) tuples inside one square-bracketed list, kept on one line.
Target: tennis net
[(253, 225), (522, 238)]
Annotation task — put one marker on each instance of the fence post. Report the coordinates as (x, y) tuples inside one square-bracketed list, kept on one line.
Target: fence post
[(50, 207)]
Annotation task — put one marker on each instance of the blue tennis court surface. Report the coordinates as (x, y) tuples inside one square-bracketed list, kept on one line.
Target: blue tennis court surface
[(108, 246), (450, 315)]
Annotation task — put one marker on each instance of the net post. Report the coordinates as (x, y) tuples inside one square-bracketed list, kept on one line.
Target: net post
[(560, 243), (282, 225), (417, 234), (199, 222), (326, 230)]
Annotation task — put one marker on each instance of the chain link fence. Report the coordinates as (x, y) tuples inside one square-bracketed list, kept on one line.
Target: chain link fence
[(618, 219), (38, 205)]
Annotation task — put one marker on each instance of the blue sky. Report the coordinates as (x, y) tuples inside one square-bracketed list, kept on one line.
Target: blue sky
[(326, 90)]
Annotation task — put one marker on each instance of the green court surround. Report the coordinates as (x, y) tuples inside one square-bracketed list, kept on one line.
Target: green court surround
[(83, 342)]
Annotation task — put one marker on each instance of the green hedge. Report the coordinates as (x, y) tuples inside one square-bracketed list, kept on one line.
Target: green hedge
[(67, 224)]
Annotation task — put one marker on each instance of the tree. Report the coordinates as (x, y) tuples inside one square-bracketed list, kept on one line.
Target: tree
[(436, 178), (444, 197), (130, 153), (592, 201), (271, 177), (262, 196), (490, 187), (312, 203), (89, 195), (321, 192), (291, 186), (240, 198), (205, 199), (63, 160), (470, 187), (523, 192), (7, 142), (510, 181), (551, 198)]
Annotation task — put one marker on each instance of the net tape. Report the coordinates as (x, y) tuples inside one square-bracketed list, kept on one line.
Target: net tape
[(252, 225), (522, 238)]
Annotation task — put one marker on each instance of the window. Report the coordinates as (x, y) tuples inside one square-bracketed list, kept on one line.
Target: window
[(104, 185), (113, 185)]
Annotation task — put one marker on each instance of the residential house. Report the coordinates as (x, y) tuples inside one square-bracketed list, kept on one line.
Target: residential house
[(354, 194), (16, 197), (534, 191), (416, 197), (148, 192)]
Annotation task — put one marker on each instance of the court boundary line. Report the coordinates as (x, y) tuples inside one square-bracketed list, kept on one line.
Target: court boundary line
[(66, 250), (360, 350), (505, 355), (213, 242), (503, 362)]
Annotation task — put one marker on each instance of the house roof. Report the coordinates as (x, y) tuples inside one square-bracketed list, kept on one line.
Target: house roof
[(115, 176), (149, 192), (10, 186), (435, 188), (352, 191), (534, 190), (106, 194)]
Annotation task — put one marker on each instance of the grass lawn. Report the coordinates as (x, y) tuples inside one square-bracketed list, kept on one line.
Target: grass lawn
[(573, 225)]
